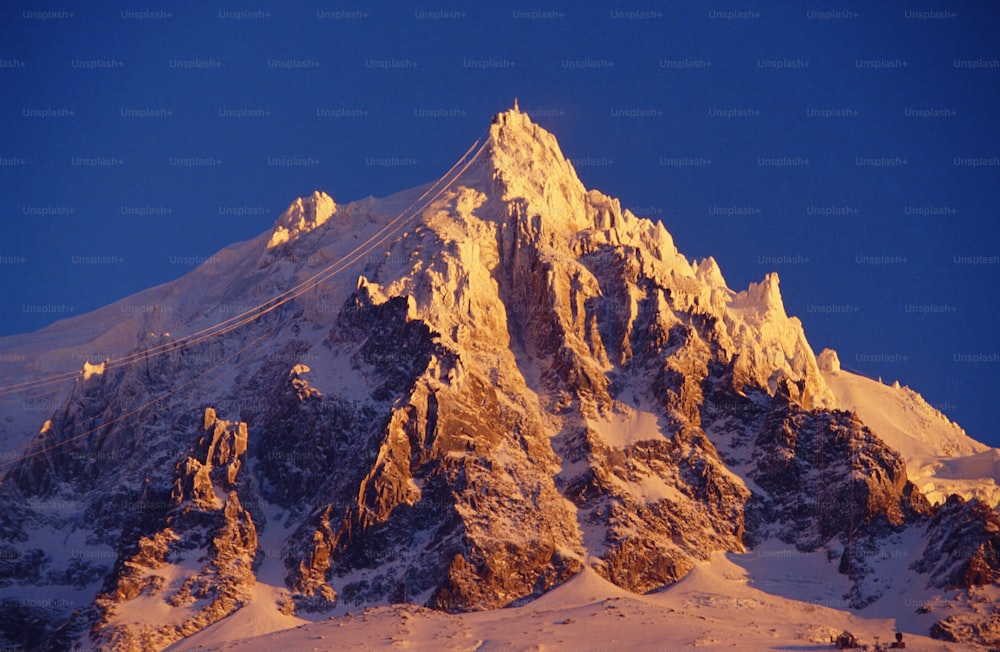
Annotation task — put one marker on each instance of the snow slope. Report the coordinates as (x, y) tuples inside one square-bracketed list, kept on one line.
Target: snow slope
[(725, 604), (259, 618), (941, 458), (525, 292)]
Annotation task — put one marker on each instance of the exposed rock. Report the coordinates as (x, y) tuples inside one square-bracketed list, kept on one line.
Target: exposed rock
[(963, 545), (222, 536), (520, 379), (828, 361), (303, 216)]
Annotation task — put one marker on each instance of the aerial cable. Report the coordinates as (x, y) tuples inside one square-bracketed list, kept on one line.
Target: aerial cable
[(35, 453), (252, 314), (263, 308)]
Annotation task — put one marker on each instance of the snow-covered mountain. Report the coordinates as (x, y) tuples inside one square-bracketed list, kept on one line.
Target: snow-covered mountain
[(462, 397)]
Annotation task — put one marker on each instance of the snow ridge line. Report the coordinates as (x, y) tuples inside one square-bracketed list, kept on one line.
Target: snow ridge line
[(4, 468), (248, 316), (252, 314)]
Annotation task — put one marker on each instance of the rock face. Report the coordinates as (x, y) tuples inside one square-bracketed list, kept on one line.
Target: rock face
[(303, 216), (516, 378), (201, 560), (963, 545), (828, 479), (963, 553)]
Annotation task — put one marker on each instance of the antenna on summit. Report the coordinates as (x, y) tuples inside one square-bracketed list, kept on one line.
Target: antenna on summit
[(515, 106)]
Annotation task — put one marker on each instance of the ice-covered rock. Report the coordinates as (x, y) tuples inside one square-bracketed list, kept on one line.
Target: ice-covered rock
[(464, 394), (304, 215), (828, 361)]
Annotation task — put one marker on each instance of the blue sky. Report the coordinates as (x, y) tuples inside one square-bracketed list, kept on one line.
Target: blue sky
[(852, 148)]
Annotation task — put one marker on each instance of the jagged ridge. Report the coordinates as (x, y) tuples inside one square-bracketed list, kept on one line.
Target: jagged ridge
[(527, 380)]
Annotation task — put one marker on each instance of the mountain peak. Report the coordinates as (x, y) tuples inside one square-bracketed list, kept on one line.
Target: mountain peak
[(526, 381), (514, 119), (828, 361), (303, 215), (513, 110), (528, 164), (762, 298)]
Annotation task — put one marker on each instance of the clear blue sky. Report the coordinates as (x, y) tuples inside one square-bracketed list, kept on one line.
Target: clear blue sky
[(855, 151)]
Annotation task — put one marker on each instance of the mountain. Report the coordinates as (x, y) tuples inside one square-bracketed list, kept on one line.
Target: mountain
[(462, 397)]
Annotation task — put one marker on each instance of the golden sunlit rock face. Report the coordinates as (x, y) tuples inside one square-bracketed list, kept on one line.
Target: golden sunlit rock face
[(468, 396)]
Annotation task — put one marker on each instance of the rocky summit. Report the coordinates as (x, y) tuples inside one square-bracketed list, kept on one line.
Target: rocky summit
[(459, 396)]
